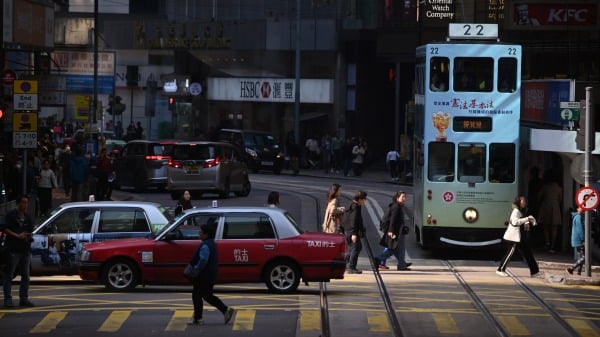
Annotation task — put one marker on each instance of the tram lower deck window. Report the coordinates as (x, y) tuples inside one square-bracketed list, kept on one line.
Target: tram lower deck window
[(441, 162)]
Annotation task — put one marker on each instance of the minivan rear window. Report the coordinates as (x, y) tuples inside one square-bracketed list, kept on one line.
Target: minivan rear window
[(193, 152)]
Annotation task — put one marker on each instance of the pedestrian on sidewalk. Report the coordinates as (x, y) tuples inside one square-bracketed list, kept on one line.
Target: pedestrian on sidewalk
[(18, 228), (46, 183), (391, 159), (577, 242), (78, 172)]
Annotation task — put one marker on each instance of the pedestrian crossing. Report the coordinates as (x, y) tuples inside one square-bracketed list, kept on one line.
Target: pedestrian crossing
[(307, 322)]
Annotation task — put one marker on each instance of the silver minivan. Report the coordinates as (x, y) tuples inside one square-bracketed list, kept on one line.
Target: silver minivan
[(207, 167), (142, 164)]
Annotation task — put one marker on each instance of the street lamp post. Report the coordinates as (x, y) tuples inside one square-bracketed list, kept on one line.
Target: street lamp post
[(297, 83), (93, 108)]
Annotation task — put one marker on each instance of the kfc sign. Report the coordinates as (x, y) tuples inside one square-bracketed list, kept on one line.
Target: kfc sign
[(554, 15)]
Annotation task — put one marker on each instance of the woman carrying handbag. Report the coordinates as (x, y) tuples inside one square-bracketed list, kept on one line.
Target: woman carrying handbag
[(516, 236)]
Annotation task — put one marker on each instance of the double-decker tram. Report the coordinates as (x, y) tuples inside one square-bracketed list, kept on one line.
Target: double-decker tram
[(466, 137)]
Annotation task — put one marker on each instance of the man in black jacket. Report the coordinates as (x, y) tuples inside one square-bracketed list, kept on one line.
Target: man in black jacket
[(206, 260), (354, 229), (18, 228)]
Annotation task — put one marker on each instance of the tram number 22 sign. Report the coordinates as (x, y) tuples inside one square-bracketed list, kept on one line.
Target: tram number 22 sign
[(25, 140), (587, 198)]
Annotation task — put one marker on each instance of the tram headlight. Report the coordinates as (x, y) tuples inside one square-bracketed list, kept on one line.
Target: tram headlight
[(470, 215)]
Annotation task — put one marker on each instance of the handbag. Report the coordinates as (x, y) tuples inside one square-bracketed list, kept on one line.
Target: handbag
[(512, 234), (383, 240), (405, 230), (191, 273)]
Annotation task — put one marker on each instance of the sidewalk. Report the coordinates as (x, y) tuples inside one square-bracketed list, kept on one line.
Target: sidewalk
[(554, 264)]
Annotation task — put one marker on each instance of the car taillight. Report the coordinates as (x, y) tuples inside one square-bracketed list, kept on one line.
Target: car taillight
[(175, 163), (157, 157), (211, 162)]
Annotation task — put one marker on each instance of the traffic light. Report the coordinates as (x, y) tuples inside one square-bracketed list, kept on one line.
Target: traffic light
[(172, 104), (580, 138), (1, 112)]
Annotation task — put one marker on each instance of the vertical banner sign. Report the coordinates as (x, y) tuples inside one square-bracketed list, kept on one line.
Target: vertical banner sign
[(82, 107)]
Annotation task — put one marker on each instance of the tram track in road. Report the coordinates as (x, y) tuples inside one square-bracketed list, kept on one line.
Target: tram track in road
[(494, 317), (375, 213)]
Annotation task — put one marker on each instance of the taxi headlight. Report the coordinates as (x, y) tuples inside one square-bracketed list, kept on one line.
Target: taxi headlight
[(85, 255)]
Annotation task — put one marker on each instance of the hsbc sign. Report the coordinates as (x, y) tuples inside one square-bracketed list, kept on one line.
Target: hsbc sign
[(264, 89), (274, 90)]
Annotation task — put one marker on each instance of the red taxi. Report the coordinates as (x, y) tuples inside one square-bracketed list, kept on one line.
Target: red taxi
[(255, 244)]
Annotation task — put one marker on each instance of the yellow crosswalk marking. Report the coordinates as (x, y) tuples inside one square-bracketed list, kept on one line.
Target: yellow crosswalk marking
[(49, 322), (244, 320), (513, 326), (114, 322), (583, 328), (445, 323), (378, 322), (310, 320), (179, 320)]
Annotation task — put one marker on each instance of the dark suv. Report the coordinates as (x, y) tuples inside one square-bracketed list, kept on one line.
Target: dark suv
[(143, 163), (261, 149)]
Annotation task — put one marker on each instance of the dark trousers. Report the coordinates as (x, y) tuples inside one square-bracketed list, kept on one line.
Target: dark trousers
[(23, 262), (527, 254), (579, 259), (354, 249), (45, 195), (399, 252), (102, 187), (393, 169), (204, 291)]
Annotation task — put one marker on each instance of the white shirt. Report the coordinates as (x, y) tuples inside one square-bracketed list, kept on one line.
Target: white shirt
[(392, 155)]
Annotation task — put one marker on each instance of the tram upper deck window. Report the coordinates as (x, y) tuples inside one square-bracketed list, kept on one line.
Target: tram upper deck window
[(507, 70), (441, 162), (502, 163), (471, 162), (438, 79), (473, 74)]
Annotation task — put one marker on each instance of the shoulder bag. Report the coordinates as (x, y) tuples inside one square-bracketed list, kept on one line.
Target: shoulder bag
[(191, 273)]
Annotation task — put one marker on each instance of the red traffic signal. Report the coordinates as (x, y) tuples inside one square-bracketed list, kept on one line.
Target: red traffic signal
[(1, 113), (171, 104)]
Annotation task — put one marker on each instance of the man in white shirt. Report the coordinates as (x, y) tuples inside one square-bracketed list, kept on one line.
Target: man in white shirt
[(391, 160)]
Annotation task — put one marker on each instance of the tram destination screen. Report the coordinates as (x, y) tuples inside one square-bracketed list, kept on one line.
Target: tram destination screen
[(472, 124)]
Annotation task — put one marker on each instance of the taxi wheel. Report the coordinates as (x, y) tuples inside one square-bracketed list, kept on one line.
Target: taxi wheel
[(245, 189), (282, 276), (120, 274)]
